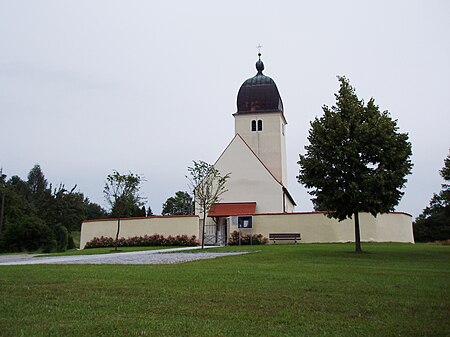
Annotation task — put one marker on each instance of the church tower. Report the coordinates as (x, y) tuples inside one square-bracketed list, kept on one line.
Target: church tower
[(260, 121)]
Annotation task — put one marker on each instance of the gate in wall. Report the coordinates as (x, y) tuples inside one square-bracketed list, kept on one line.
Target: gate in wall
[(216, 233)]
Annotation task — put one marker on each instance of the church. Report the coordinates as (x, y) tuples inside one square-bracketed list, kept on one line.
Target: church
[(255, 158), (257, 199), (257, 188)]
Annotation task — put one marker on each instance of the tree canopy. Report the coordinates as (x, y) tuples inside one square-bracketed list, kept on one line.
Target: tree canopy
[(180, 204), (121, 192), (356, 160)]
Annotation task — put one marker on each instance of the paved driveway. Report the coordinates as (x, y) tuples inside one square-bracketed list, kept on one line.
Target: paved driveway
[(162, 256)]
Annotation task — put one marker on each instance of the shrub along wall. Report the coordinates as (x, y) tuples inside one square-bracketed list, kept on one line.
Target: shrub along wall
[(256, 239), (146, 240)]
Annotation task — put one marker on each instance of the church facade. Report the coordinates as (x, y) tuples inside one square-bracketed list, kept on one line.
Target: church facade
[(256, 157)]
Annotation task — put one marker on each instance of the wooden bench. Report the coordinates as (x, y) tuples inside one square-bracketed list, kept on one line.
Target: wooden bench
[(284, 236)]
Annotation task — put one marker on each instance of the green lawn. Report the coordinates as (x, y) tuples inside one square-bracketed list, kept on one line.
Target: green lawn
[(290, 290)]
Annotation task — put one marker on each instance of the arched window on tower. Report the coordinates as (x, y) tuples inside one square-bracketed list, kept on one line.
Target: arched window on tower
[(253, 125), (260, 125)]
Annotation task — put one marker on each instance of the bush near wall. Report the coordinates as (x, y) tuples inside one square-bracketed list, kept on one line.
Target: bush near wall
[(257, 239), (146, 240)]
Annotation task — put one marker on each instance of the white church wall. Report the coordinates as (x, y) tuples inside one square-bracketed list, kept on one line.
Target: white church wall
[(317, 227), (249, 181), (163, 225), (284, 173), (288, 205), (269, 144)]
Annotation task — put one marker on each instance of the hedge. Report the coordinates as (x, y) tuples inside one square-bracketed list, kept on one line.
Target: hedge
[(146, 240)]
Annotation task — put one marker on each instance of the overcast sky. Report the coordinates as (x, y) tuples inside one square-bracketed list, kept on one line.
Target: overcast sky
[(148, 86)]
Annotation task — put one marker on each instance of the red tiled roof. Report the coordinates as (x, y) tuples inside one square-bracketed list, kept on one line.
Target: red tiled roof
[(229, 209)]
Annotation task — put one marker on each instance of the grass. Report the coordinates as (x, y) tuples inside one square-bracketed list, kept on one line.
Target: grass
[(76, 238), (284, 290)]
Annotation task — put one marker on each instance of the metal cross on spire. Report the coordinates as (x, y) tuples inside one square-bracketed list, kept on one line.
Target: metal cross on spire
[(259, 48)]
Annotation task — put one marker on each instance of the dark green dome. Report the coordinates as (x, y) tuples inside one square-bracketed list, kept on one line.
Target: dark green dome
[(259, 93)]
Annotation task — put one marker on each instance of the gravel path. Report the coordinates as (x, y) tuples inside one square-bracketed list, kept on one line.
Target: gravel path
[(162, 256)]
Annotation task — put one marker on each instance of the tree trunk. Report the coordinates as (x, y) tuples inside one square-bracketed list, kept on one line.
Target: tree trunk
[(203, 229), (357, 234), (117, 234)]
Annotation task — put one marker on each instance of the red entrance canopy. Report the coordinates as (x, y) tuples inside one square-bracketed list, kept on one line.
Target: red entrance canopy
[(232, 209)]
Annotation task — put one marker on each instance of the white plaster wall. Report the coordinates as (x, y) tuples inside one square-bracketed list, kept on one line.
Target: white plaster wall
[(269, 144), (163, 225), (395, 227), (316, 227), (290, 207), (284, 175), (249, 181)]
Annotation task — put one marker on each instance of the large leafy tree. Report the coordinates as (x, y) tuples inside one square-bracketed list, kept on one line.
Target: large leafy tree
[(356, 161), (434, 222), (207, 184), (121, 192), (180, 204)]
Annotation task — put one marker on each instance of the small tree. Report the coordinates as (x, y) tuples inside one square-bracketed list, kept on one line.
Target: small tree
[(208, 185), (121, 192), (180, 204), (357, 160)]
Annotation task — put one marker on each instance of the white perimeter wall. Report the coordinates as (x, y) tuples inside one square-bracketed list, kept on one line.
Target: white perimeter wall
[(163, 225), (313, 227), (317, 227)]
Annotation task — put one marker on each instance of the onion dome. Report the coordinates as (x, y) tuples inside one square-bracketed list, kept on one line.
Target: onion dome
[(259, 93)]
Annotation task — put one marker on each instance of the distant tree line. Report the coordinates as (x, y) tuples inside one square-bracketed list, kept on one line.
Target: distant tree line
[(434, 222), (36, 215)]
